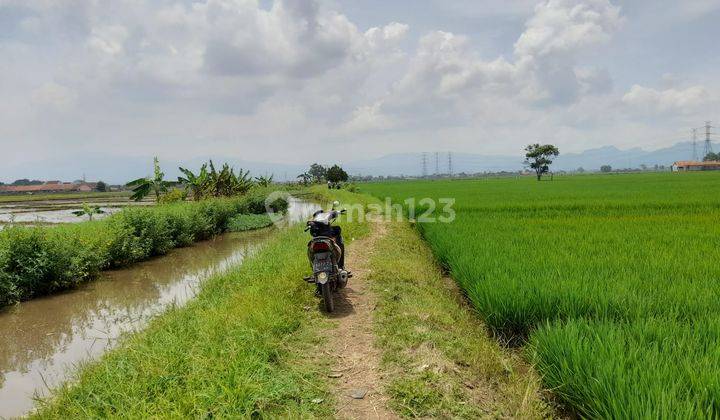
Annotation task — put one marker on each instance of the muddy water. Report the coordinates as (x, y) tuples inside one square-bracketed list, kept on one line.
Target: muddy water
[(38, 216), (42, 339), (59, 211)]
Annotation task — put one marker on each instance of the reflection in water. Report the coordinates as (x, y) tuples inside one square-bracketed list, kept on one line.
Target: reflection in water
[(60, 211), (40, 339), (52, 216)]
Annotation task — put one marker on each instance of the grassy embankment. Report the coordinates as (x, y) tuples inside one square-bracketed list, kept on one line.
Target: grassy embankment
[(41, 260), (248, 345), (440, 359), (612, 280)]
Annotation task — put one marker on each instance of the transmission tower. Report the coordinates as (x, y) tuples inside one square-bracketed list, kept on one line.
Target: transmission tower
[(437, 163), (450, 167), (424, 164), (694, 137), (708, 144)]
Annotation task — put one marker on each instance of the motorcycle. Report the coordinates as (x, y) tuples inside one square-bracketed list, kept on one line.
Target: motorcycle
[(326, 254)]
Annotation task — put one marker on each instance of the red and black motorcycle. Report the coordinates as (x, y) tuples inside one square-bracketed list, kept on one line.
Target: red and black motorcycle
[(326, 252)]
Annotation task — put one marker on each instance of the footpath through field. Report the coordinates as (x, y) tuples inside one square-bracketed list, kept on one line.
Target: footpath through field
[(407, 344), (357, 377)]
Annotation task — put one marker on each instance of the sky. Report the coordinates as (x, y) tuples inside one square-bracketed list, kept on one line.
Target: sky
[(296, 81)]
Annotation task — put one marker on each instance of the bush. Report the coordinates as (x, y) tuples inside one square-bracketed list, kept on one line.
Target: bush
[(255, 203), (41, 260), (243, 222), (173, 196)]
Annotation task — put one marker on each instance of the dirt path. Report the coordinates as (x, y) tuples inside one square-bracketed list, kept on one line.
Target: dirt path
[(357, 380)]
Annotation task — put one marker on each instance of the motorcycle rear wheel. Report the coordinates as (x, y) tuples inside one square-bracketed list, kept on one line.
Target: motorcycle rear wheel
[(326, 290)]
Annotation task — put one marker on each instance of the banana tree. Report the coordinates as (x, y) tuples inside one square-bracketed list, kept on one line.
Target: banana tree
[(244, 182), (89, 211), (142, 187), (264, 181), (304, 178), (196, 184), (225, 183)]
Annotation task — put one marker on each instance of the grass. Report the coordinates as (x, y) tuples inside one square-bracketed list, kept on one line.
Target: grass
[(612, 280), (245, 222), (245, 347), (36, 261), (441, 361)]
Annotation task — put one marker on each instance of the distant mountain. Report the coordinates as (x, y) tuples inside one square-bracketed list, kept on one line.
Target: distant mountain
[(120, 170), (631, 158), (591, 160)]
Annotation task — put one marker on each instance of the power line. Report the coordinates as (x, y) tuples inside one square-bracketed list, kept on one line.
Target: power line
[(424, 164), (450, 167)]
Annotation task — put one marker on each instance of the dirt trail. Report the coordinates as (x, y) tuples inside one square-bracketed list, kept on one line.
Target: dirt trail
[(352, 342)]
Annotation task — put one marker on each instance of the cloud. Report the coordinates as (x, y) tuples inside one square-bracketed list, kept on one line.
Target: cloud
[(651, 101), (272, 79), (565, 26), (367, 118), (448, 81), (54, 95), (108, 39)]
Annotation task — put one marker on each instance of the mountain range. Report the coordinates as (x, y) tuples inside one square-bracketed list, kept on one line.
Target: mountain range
[(120, 170)]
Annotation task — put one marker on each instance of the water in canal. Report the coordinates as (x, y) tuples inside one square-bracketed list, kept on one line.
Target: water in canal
[(42, 339)]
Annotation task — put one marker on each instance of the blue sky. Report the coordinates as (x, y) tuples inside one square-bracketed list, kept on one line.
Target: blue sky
[(295, 81)]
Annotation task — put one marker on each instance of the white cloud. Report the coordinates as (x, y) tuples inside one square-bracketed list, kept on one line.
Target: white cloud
[(270, 78), (54, 95), (448, 80), (565, 26), (108, 39), (367, 118), (652, 101)]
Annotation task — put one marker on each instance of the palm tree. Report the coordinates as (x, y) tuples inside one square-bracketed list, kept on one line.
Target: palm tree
[(88, 210), (264, 181), (197, 184), (143, 186)]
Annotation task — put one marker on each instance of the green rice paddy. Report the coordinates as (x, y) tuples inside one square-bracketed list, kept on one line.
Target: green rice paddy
[(612, 282)]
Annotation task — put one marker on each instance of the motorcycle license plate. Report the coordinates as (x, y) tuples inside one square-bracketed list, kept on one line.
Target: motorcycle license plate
[(322, 265)]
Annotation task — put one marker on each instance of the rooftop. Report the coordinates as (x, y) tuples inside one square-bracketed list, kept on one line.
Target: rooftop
[(696, 163)]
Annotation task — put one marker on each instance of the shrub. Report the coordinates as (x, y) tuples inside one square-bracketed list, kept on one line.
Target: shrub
[(41, 260), (173, 196), (243, 222), (255, 203)]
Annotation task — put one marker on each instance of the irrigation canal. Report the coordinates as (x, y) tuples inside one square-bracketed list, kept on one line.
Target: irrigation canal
[(41, 340)]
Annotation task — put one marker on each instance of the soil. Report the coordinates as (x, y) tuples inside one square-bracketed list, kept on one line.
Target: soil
[(357, 380)]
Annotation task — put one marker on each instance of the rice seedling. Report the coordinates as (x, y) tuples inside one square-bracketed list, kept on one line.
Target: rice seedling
[(614, 280)]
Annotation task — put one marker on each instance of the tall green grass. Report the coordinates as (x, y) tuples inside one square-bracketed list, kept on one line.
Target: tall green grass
[(36, 261), (248, 346), (614, 280)]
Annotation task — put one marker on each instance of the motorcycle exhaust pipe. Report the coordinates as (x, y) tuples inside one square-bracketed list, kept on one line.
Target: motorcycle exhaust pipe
[(343, 278)]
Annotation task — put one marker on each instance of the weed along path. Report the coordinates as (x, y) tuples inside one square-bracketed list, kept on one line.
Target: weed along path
[(357, 381)]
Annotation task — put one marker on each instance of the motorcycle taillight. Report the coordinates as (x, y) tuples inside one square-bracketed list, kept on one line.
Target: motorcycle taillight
[(320, 246)]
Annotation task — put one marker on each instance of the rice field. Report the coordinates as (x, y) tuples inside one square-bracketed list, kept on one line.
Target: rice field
[(612, 282)]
